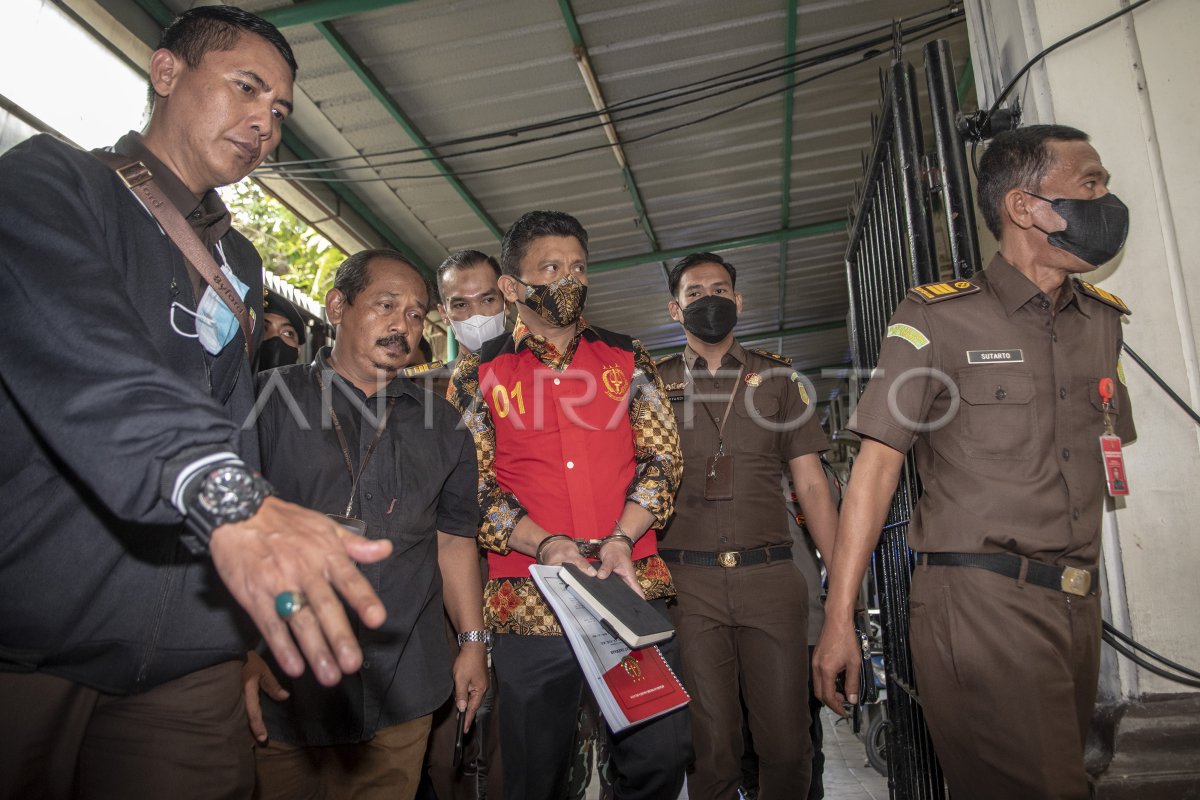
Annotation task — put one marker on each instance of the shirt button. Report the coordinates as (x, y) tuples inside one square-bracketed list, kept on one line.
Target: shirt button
[(1066, 454), (366, 665), (724, 539), (557, 381), (1000, 393), (1044, 304), (1075, 514), (570, 465), (368, 495), (1054, 337), (1062, 393)]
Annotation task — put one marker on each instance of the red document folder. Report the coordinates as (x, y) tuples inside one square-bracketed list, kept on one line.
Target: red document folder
[(644, 686)]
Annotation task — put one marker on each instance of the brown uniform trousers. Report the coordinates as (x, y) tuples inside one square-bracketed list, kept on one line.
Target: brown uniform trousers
[(185, 739)]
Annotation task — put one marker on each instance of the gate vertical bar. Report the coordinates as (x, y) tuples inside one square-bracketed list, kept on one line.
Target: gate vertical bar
[(952, 160)]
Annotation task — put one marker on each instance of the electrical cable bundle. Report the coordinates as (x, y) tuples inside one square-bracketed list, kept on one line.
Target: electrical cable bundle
[(867, 45)]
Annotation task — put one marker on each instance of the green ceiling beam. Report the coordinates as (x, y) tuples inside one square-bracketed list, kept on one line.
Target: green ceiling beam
[(785, 202), (314, 11), (966, 80), (293, 143), (782, 235), (393, 108), (158, 12)]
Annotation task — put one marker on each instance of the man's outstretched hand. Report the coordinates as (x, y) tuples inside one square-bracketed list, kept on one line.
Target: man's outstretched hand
[(284, 547)]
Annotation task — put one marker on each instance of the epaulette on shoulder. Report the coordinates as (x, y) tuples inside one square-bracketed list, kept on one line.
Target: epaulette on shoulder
[(937, 292), (658, 362), (772, 356), (421, 369), (1108, 298)]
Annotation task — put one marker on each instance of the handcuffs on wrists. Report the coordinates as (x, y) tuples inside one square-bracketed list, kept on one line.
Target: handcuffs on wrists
[(588, 548)]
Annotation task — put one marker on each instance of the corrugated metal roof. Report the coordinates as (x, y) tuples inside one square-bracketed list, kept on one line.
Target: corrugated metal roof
[(709, 169)]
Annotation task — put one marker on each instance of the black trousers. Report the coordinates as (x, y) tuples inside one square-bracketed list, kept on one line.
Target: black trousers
[(540, 686)]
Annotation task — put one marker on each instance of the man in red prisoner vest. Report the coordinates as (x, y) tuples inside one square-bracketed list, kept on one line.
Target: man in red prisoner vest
[(578, 457)]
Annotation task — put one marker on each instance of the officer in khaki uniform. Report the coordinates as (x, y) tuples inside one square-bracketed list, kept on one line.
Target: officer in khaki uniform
[(1005, 384), (744, 416)]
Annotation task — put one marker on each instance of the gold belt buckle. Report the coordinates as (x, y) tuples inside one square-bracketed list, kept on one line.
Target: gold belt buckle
[(1076, 581), (728, 559)]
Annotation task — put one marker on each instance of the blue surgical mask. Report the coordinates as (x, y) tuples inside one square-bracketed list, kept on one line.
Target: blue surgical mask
[(216, 324)]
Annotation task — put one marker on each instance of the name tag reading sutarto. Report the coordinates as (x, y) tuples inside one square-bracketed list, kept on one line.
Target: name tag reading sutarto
[(995, 356)]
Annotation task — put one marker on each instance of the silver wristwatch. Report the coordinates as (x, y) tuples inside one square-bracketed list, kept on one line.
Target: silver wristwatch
[(475, 636)]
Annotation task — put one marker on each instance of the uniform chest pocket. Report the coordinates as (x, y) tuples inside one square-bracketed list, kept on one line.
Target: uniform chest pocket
[(998, 416), (755, 422)]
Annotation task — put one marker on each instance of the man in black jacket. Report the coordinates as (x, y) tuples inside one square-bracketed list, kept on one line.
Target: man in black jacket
[(134, 521)]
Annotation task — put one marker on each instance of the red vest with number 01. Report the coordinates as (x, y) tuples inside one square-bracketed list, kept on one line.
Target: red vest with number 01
[(564, 444)]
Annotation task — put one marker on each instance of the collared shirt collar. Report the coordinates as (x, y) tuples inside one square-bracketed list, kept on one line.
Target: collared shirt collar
[(398, 386), (1014, 289), (523, 337), (736, 352), (208, 217)]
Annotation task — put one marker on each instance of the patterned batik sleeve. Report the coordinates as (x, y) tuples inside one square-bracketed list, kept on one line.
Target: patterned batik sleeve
[(500, 511), (655, 439)]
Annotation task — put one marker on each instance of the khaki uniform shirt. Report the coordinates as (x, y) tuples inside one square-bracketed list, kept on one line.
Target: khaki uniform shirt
[(770, 423), (998, 389)]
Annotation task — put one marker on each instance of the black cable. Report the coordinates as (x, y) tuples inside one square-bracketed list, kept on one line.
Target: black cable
[(605, 146), (1179, 401), (278, 169), (1129, 640), (1115, 644), (666, 94), (1081, 32), (986, 117)]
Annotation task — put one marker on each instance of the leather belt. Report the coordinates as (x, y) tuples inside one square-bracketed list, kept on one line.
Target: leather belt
[(728, 558), (1071, 580)]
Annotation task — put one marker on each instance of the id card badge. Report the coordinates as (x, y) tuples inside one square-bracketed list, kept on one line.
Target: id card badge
[(1114, 465), (718, 478), (1110, 445)]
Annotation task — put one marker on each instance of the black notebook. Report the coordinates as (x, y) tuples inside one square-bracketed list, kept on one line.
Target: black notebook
[(625, 615)]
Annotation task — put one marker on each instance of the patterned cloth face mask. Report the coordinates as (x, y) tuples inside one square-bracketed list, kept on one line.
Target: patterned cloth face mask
[(559, 303)]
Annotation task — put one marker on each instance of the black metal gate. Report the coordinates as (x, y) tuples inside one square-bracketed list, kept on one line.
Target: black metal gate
[(892, 247)]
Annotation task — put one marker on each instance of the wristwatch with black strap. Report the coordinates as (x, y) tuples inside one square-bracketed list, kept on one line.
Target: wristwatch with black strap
[(227, 493)]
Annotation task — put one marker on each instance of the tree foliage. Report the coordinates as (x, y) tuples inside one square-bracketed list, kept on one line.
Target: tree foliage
[(290, 247)]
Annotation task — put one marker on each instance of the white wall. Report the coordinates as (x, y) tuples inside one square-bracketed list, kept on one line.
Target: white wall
[(1134, 85)]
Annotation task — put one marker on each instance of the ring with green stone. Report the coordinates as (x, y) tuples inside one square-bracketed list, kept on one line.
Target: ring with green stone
[(288, 603)]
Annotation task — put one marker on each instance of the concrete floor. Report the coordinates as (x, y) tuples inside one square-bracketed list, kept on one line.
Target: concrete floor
[(847, 775)]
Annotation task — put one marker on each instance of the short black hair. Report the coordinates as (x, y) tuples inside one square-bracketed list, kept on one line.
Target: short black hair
[(205, 29), (535, 225), (1017, 159), (353, 274), (463, 259), (675, 276)]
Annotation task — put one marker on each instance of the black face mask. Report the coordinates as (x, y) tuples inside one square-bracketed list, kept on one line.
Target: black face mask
[(710, 318), (1096, 229), (275, 352)]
